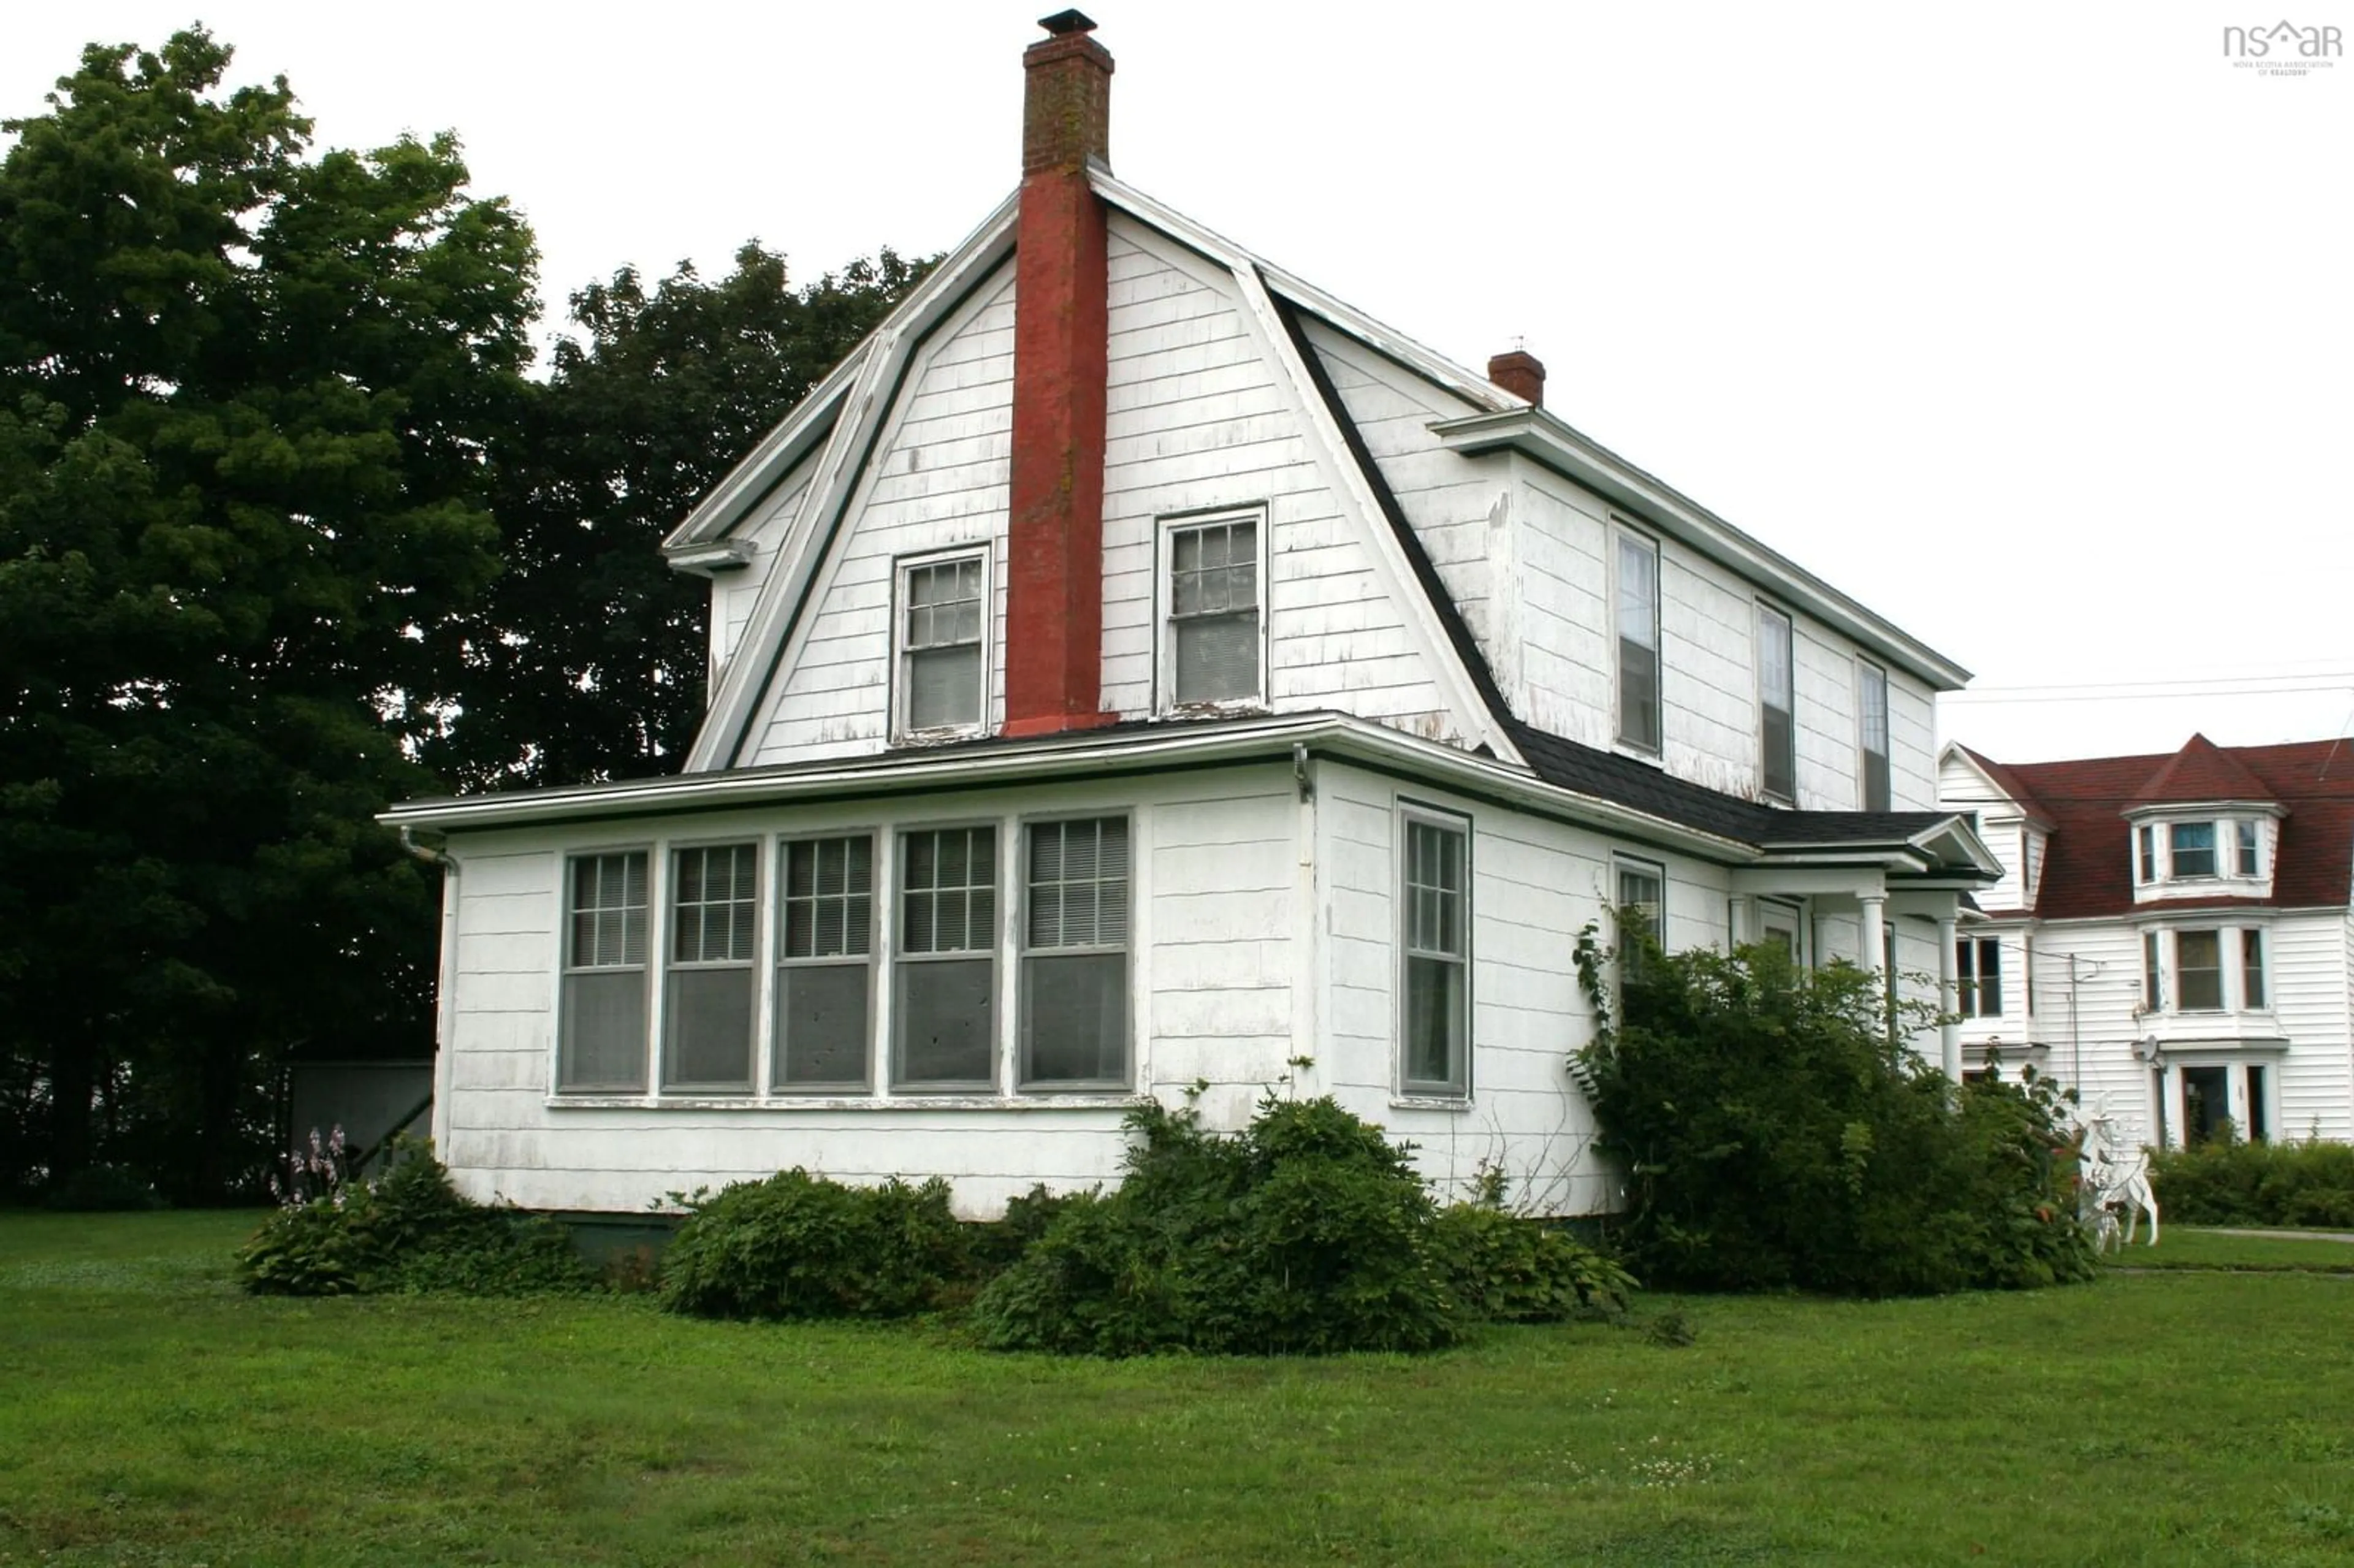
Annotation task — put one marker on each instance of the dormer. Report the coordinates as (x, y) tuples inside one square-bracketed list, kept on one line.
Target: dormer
[(2202, 827)]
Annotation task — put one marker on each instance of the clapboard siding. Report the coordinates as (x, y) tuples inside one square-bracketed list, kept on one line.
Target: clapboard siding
[(1200, 416), (938, 480), (735, 593)]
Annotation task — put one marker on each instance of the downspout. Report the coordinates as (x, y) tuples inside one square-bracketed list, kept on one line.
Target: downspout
[(445, 980)]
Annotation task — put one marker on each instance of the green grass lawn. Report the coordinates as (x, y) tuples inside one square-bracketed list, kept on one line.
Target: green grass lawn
[(151, 1415), (2181, 1247)]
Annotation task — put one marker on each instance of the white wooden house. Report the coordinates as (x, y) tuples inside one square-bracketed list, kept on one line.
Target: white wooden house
[(2171, 932), (1135, 669)]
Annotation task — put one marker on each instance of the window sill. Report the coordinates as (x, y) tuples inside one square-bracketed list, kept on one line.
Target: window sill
[(1120, 1101), (1430, 1102)]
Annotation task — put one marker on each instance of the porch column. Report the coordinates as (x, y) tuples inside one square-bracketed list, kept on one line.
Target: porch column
[(1740, 921), (1875, 931), (1949, 1031), (2178, 1130)]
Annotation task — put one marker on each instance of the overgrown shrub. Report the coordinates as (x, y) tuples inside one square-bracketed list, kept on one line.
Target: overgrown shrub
[(1306, 1233), (1774, 1133), (407, 1230), (797, 1245), (2227, 1183), (1516, 1270)]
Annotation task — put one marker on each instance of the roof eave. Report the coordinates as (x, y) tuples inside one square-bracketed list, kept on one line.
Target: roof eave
[(1546, 439)]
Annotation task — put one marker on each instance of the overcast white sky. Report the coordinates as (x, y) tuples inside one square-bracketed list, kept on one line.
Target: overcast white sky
[(2030, 325)]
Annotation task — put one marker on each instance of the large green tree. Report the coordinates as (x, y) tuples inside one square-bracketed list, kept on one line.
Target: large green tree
[(247, 395), (586, 658)]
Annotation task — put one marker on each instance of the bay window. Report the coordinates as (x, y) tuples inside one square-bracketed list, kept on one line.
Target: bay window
[(2251, 970), (2190, 849), (2198, 972)]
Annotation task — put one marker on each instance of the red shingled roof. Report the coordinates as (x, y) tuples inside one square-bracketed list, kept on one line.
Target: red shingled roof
[(2088, 868)]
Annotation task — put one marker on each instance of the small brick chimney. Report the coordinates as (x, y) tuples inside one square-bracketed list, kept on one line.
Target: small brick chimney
[(1520, 373), (1054, 655)]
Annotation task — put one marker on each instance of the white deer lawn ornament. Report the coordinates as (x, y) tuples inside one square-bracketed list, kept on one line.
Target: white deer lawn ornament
[(2114, 1183)]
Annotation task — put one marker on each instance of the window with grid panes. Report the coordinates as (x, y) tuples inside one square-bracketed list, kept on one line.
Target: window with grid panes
[(824, 963), (602, 1044), (942, 619), (1777, 704), (707, 1013), (1638, 641), (1074, 956), (944, 1014), (1436, 1036), (1213, 612)]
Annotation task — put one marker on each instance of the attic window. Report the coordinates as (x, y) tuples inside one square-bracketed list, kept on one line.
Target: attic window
[(1638, 641), (1872, 722), (942, 611), (1776, 701), (2191, 846), (1212, 648)]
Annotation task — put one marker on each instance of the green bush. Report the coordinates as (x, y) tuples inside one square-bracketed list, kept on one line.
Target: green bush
[(1516, 1270), (1306, 1233), (407, 1230), (2227, 1183), (797, 1245), (1774, 1134)]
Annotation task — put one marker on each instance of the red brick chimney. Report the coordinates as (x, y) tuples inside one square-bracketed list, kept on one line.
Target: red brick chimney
[(1054, 592), (1520, 373)]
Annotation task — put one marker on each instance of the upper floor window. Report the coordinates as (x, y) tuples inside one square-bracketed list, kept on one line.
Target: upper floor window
[(2190, 847), (602, 1042), (1212, 652), (1872, 712), (2198, 972), (2147, 838), (2152, 992), (942, 655), (2245, 834), (2251, 968), (1074, 956), (1436, 1038), (1978, 974), (1638, 641), (1777, 704)]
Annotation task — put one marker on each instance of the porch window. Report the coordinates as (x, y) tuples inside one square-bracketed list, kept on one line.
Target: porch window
[(707, 1012), (2190, 849), (1074, 956), (602, 1043), (1872, 723), (1212, 650), (1638, 641), (1977, 973), (942, 615), (824, 963), (2251, 968), (2198, 972), (944, 1004), (1777, 704)]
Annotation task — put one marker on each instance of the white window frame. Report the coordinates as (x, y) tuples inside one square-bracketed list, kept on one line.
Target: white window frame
[(1620, 535), (1970, 980), (2220, 971), (1790, 708), (2215, 850), (1622, 864), (1024, 1083), (2247, 847), (1409, 813), (666, 930), (649, 969), (879, 911), (1164, 633), (894, 1063), (902, 567), (2253, 943), (1865, 672)]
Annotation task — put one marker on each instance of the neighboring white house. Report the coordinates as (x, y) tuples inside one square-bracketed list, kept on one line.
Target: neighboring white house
[(1134, 669), (2170, 931)]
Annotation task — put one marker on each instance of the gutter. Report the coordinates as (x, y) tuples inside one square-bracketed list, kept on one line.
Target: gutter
[(1544, 437)]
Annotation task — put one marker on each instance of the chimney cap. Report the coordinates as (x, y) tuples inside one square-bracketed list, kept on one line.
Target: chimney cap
[(1063, 21)]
